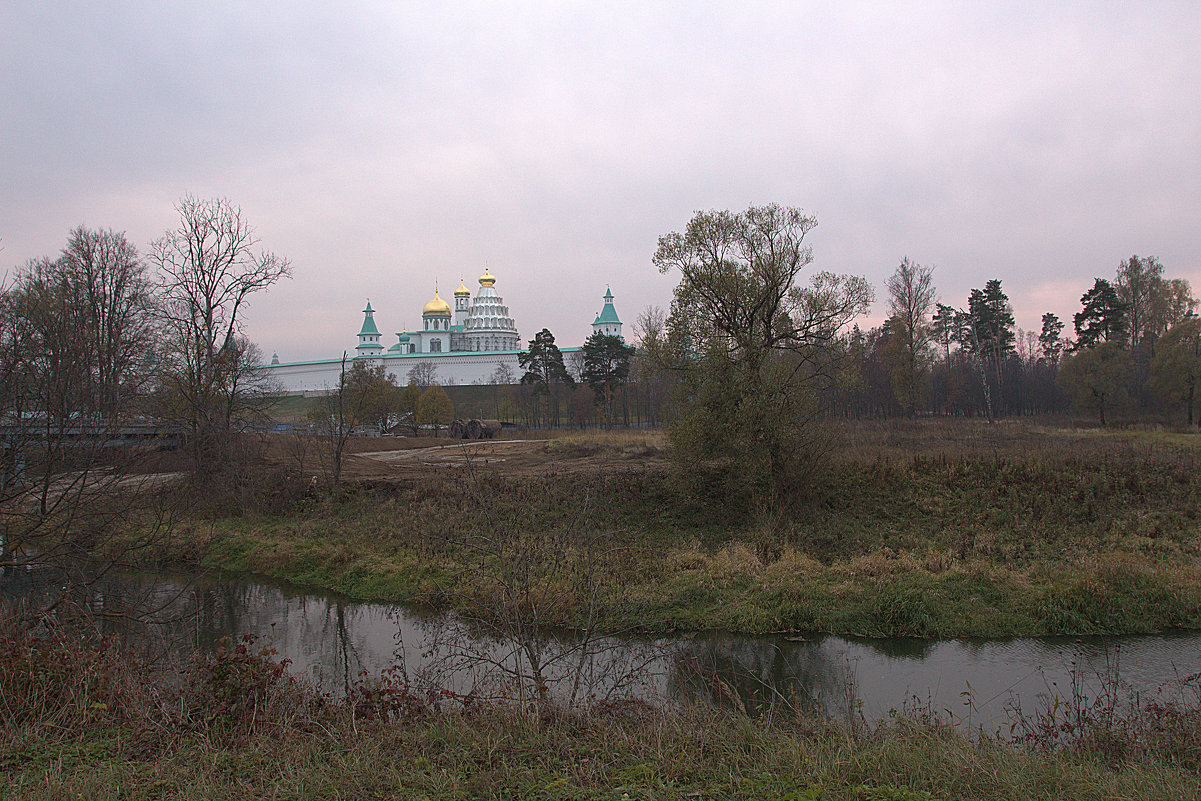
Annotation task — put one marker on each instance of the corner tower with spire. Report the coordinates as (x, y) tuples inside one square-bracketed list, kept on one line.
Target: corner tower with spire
[(369, 344), (607, 322)]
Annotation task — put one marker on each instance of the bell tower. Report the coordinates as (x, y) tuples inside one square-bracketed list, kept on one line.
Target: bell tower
[(462, 304)]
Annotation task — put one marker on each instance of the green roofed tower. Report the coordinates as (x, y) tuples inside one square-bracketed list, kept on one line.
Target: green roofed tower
[(607, 322), (369, 344)]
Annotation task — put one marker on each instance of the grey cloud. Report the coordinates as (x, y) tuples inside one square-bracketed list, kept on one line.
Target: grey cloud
[(383, 145)]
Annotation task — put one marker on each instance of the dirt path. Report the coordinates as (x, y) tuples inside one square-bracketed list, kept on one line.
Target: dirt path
[(466, 450), (517, 455), (391, 459)]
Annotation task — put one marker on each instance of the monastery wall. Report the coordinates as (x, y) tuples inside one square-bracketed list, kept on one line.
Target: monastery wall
[(452, 368)]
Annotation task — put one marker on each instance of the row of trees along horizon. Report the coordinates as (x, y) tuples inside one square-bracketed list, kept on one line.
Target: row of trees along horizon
[(1136, 350), (103, 337), (102, 334)]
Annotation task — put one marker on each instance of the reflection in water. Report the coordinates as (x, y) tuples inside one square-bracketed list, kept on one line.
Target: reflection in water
[(332, 641), (760, 672), (570, 668)]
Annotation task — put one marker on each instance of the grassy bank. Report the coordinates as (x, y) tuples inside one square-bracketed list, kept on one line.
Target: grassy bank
[(83, 720), (926, 529)]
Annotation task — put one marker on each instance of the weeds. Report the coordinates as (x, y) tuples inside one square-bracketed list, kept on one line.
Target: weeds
[(1114, 723), (70, 681), (626, 444), (66, 678), (266, 735), (239, 689), (389, 698)]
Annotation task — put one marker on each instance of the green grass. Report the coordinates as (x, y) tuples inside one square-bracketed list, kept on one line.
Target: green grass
[(292, 408), (925, 529), (660, 757)]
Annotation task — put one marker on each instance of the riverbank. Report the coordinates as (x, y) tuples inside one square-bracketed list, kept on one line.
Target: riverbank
[(917, 529), (86, 719)]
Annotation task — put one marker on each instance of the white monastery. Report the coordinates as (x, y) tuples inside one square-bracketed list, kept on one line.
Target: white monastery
[(468, 344)]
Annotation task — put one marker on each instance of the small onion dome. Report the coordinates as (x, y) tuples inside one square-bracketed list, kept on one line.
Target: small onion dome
[(402, 336), (462, 291), (487, 279), (437, 307)]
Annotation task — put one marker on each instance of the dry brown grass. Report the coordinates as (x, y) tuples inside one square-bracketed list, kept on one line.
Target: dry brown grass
[(241, 727)]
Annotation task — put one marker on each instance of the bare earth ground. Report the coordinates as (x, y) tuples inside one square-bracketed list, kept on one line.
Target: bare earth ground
[(395, 458)]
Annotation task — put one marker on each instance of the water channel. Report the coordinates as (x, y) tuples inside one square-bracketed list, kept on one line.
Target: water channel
[(332, 641)]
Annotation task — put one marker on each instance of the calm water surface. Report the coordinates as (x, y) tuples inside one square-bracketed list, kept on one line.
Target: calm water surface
[(332, 641)]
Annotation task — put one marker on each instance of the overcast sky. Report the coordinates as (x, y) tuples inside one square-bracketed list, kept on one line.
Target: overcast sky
[(383, 146)]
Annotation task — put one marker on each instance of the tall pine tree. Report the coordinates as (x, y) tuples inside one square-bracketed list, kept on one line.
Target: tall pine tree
[(1103, 318)]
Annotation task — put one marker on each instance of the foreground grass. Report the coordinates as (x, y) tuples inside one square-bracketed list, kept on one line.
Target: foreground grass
[(916, 529), (83, 721), (499, 756)]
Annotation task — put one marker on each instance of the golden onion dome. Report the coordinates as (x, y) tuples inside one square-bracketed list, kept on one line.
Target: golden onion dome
[(462, 291), (437, 306), (487, 279)]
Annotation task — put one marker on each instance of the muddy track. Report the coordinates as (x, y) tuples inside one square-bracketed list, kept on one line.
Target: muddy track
[(383, 459)]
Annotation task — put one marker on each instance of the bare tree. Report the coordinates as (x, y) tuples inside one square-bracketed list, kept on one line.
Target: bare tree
[(335, 419), (526, 577), (210, 266), (652, 383), (574, 362), (119, 312), (70, 331), (423, 374), (501, 380), (910, 300), (77, 333), (14, 390), (503, 374), (650, 328), (1139, 285)]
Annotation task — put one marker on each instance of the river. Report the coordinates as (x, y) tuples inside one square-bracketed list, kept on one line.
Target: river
[(332, 642)]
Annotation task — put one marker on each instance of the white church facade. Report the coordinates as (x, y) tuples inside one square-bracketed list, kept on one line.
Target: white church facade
[(472, 343)]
